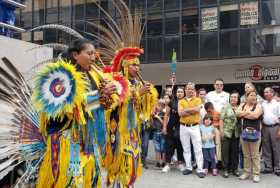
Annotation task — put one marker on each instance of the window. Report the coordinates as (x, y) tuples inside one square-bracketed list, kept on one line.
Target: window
[(63, 38), (271, 43), (190, 47), (154, 49), (171, 43), (208, 2), (154, 5), (228, 1), (229, 44), (189, 3), (18, 18), (79, 26), (50, 36), (79, 11), (189, 21), (91, 11), (65, 11), (172, 22), (229, 19), (143, 45), (38, 13), (51, 11), (209, 45), (250, 43), (171, 4), (270, 12), (154, 24), (90, 28), (136, 4)]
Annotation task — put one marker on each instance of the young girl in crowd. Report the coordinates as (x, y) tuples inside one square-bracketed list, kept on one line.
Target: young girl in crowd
[(209, 107), (158, 138), (208, 145)]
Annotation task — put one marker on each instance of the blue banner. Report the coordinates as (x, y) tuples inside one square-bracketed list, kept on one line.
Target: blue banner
[(7, 15)]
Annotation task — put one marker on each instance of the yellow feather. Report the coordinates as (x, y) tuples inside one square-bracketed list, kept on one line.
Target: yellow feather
[(64, 159), (46, 179)]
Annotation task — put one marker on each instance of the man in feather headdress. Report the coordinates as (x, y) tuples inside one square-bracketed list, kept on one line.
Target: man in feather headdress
[(123, 161)]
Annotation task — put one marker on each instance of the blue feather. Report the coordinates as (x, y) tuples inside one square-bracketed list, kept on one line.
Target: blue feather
[(100, 128)]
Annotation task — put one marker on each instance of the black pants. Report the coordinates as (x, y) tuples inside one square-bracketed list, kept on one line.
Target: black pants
[(230, 153), (171, 144)]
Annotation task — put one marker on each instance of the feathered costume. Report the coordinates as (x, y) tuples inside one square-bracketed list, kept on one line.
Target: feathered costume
[(20, 139), (65, 137), (121, 42), (123, 157), (73, 130), (73, 122)]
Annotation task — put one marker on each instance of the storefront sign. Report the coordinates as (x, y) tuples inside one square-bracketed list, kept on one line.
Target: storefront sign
[(209, 18), (257, 72), (249, 13)]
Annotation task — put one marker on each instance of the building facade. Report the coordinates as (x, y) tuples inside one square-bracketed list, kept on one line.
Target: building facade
[(237, 40)]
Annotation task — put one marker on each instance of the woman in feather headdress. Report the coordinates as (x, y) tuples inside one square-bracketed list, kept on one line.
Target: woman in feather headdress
[(71, 96)]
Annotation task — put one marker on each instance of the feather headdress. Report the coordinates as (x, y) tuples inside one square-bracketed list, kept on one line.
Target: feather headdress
[(121, 37), (20, 140)]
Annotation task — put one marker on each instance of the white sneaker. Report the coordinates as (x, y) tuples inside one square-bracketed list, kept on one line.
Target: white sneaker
[(166, 168), (174, 160), (256, 179), (181, 167)]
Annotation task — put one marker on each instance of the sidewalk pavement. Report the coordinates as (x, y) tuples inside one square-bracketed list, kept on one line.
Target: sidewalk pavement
[(154, 178)]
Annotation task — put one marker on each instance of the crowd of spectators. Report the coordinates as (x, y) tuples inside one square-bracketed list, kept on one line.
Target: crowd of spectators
[(216, 132)]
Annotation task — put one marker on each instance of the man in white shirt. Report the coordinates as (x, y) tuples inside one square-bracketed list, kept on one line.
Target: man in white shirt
[(218, 97), (271, 133)]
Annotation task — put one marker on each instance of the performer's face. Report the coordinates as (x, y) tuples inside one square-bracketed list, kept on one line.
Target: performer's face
[(132, 70), (86, 57)]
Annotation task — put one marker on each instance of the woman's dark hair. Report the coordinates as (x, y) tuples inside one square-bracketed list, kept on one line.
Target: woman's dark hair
[(207, 116), (182, 88), (236, 92), (76, 46), (247, 94)]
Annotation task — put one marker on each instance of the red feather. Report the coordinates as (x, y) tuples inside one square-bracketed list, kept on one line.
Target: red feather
[(107, 69), (124, 84), (123, 53)]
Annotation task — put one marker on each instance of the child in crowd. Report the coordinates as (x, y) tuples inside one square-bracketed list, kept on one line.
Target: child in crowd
[(158, 137), (209, 107), (208, 145)]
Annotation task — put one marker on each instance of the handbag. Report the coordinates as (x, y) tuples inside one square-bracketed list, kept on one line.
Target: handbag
[(249, 134)]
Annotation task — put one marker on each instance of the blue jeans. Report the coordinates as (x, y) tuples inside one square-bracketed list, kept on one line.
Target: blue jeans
[(159, 142), (209, 158)]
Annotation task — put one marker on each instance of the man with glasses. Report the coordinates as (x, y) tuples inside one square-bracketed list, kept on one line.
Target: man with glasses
[(189, 112), (218, 97)]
